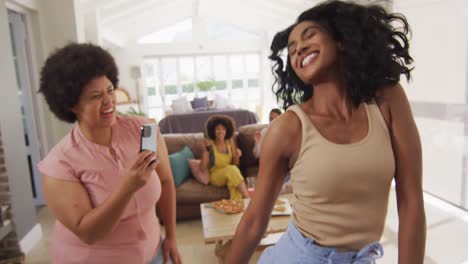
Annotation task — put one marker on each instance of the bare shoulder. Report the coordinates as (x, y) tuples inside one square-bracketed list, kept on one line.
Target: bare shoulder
[(284, 131), (391, 94), (285, 125), (392, 100)]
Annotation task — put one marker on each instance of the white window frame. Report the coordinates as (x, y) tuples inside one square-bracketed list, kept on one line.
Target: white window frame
[(166, 105)]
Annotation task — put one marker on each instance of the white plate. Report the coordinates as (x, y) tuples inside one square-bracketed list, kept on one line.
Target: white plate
[(286, 204)]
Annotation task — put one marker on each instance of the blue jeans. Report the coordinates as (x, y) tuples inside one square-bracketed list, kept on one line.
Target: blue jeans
[(159, 257), (293, 247)]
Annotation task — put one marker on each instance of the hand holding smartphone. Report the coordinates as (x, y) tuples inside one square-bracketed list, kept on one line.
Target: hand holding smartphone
[(149, 137), (142, 167)]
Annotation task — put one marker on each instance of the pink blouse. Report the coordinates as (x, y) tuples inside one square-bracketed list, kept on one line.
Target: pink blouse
[(136, 238)]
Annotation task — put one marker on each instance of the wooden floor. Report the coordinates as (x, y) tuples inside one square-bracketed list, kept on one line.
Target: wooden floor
[(447, 237), (189, 237)]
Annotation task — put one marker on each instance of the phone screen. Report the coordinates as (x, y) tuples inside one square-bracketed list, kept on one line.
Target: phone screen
[(149, 137)]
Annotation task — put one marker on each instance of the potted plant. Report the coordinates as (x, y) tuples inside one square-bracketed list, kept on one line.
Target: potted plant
[(205, 86)]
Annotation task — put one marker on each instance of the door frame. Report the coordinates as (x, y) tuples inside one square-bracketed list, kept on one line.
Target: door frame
[(37, 117)]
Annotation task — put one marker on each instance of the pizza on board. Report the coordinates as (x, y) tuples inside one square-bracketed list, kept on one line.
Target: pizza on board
[(229, 206)]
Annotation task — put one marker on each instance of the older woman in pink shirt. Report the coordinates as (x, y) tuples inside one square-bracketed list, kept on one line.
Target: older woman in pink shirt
[(101, 190)]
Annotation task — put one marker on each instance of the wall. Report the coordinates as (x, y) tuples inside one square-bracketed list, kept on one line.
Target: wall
[(24, 214), (60, 24), (28, 4), (438, 92)]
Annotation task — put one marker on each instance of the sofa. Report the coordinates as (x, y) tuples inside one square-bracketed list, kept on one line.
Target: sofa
[(190, 194)]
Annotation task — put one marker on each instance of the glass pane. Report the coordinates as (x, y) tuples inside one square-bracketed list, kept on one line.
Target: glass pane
[(252, 63), (178, 32), (148, 67), (187, 74), (221, 85), (151, 91), (205, 78), (205, 86), (237, 65), (18, 78), (238, 95), (225, 94), (203, 64), (253, 94), (188, 88), (170, 89), (169, 75), (220, 72), (220, 67), (169, 98), (152, 81), (12, 39), (150, 73), (252, 82), (237, 84)]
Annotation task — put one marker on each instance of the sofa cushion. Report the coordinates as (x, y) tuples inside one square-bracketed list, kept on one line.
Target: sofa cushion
[(193, 192), (221, 102), (181, 105), (180, 166), (200, 104), (246, 142), (175, 142), (202, 176)]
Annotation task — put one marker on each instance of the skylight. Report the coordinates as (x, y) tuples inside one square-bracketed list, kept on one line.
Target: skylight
[(219, 30), (183, 32), (180, 32)]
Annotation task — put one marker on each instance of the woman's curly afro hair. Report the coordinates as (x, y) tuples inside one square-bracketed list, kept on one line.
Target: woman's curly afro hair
[(215, 120), (68, 70), (375, 50)]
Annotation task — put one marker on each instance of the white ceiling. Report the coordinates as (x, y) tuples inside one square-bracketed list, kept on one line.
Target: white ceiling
[(125, 21)]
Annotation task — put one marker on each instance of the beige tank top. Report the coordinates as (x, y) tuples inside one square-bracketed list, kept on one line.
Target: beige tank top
[(341, 190)]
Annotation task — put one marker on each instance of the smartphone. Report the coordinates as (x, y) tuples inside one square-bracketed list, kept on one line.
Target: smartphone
[(149, 137)]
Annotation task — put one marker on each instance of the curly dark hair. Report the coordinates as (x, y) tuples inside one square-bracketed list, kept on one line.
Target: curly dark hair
[(276, 110), (375, 50), (224, 120), (68, 70)]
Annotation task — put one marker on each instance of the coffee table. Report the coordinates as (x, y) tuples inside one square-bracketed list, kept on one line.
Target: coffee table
[(220, 228)]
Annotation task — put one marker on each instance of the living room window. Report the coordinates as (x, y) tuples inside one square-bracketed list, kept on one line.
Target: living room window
[(233, 76)]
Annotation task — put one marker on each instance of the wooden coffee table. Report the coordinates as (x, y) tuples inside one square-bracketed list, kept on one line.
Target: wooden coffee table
[(220, 228)]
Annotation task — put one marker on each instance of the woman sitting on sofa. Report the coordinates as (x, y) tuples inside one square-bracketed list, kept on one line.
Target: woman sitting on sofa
[(221, 156)]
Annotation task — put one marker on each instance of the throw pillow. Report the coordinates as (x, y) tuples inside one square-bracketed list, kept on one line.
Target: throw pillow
[(220, 102), (179, 165), (200, 104), (188, 106), (181, 105), (200, 175)]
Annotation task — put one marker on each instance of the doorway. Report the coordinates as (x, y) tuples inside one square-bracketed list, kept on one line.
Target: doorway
[(20, 41)]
